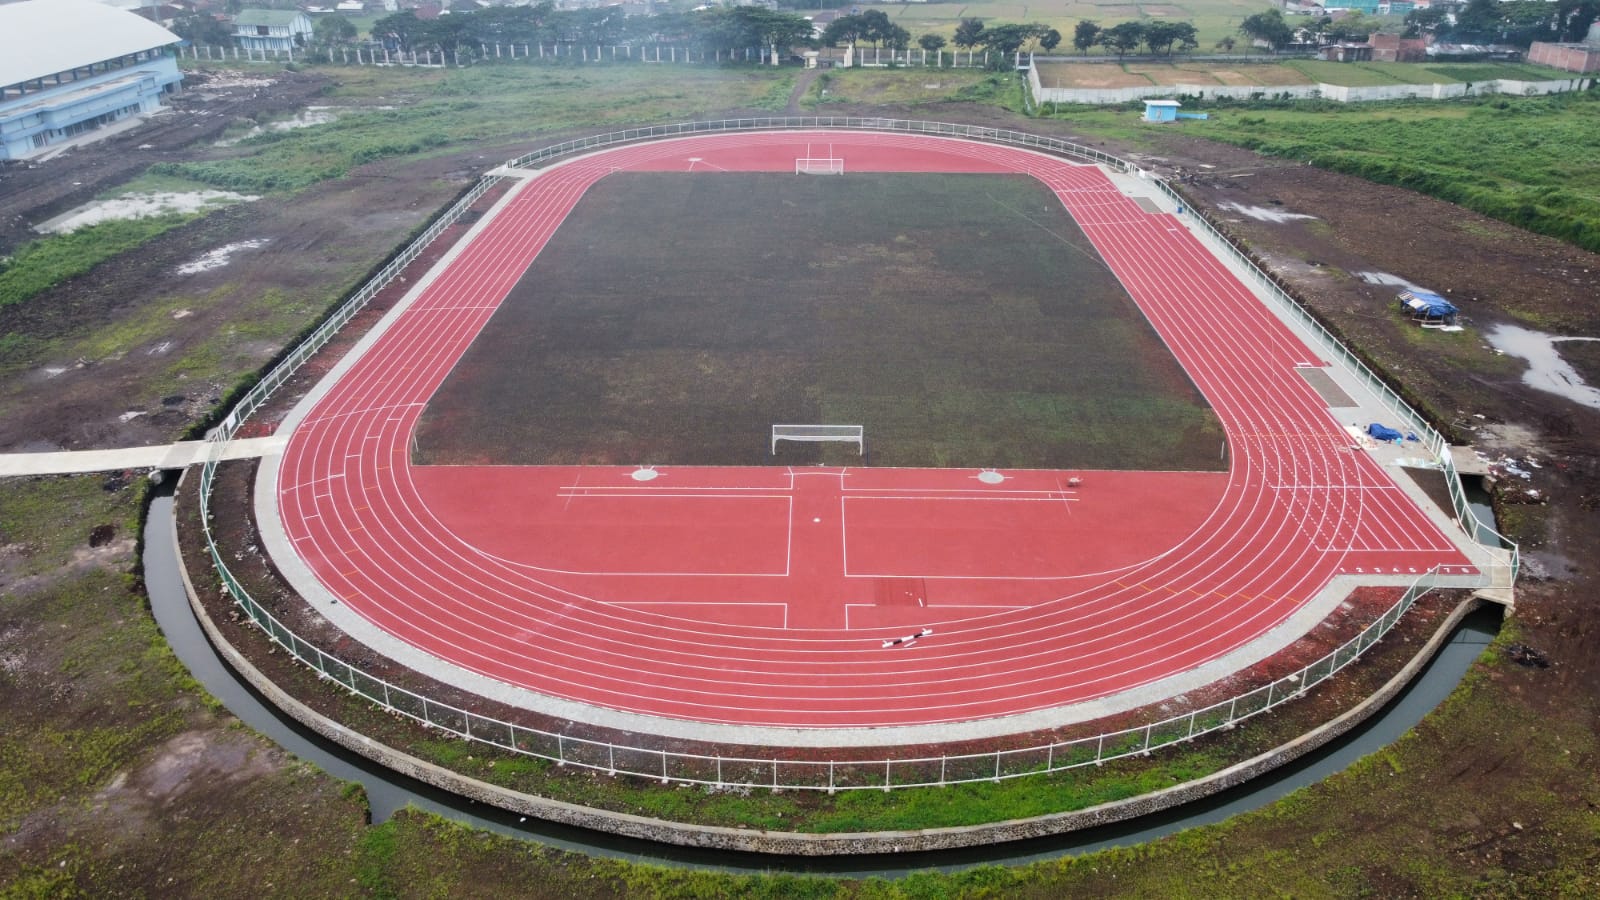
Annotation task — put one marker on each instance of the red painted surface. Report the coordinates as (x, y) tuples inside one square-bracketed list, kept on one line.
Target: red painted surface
[(764, 596)]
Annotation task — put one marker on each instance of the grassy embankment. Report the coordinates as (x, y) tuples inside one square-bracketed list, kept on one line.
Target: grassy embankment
[(42, 263), (1533, 162)]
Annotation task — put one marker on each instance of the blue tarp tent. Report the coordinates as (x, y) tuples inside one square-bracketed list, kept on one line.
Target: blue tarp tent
[(1384, 432), (1427, 305)]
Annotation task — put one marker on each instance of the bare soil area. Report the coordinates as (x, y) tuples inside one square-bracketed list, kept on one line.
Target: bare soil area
[(121, 341)]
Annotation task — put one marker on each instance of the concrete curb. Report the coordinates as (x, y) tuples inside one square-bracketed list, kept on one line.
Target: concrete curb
[(795, 843)]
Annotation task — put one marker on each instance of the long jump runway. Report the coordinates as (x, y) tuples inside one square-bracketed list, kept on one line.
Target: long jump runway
[(773, 596)]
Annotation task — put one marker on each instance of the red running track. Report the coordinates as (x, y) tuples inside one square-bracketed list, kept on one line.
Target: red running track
[(765, 596)]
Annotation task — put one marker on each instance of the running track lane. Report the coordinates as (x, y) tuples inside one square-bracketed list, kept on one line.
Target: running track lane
[(725, 594)]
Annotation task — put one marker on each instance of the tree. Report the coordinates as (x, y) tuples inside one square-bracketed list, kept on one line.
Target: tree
[(1049, 39), (1479, 20), (1574, 17), (1354, 28), (969, 33), (734, 28), (932, 43), (1226, 43), (1270, 28), (1420, 22), (1085, 35), (1006, 39), (844, 30), (400, 31), (1188, 37), (1122, 38), (333, 30), (202, 29), (1160, 35), (877, 28)]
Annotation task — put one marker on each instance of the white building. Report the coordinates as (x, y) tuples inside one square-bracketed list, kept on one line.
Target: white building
[(69, 67), (271, 29)]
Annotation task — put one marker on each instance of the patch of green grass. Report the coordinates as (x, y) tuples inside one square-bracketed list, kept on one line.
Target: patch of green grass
[(438, 109), (1491, 71), (909, 87), (36, 764), (1531, 162), (151, 183), (77, 621), (48, 520), (375, 856), (42, 264)]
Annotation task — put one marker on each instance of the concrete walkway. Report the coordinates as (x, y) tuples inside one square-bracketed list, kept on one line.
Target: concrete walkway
[(166, 456)]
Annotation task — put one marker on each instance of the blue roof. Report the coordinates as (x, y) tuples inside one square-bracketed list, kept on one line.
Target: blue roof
[(1427, 302)]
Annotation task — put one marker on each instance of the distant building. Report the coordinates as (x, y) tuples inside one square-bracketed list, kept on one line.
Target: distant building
[(1346, 52), (271, 29), (1583, 57), (87, 65), (1365, 7), (1161, 110), (1394, 48)]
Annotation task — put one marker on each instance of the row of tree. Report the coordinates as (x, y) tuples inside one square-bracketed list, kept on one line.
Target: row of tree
[(717, 28), (1512, 22), (1159, 36), (1517, 22)]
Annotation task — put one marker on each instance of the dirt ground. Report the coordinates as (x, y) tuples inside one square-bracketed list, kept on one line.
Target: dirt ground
[(1494, 272), (312, 248)]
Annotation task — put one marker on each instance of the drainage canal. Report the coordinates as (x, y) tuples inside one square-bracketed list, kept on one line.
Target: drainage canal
[(388, 791)]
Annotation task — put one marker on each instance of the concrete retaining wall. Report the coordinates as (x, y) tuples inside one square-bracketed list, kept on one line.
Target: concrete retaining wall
[(792, 843)]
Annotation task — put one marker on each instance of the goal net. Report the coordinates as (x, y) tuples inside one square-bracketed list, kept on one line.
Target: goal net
[(849, 434), (818, 166)]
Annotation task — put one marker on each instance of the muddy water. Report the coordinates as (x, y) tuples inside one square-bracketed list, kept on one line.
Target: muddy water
[(389, 792), (1547, 371), (141, 206)]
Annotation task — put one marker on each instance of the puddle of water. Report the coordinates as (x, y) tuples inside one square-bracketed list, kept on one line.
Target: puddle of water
[(1263, 214), (1386, 278), (1547, 371), (216, 259), (306, 118), (140, 206)]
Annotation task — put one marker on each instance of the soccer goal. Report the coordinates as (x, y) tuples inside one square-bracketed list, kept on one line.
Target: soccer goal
[(849, 434), (818, 166)]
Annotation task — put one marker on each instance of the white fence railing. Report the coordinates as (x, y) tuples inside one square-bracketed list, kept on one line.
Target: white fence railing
[(1324, 340), (774, 772)]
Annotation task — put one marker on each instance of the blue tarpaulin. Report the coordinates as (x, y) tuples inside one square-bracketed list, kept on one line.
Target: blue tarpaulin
[(1384, 432), (1426, 304)]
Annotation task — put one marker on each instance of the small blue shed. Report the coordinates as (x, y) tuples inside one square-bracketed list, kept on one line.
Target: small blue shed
[(1161, 110)]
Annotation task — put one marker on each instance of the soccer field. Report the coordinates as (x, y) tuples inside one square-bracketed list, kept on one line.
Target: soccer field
[(964, 320)]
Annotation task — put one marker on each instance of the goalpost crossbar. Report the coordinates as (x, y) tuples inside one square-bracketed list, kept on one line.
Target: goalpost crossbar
[(849, 434), (818, 166)]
